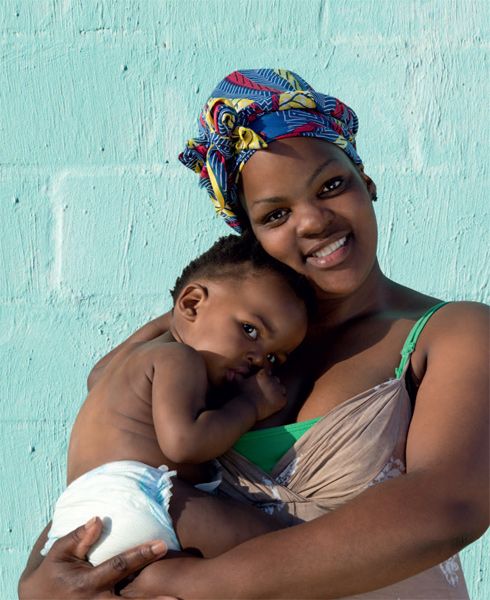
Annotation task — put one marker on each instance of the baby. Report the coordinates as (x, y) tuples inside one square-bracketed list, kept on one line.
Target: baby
[(169, 406)]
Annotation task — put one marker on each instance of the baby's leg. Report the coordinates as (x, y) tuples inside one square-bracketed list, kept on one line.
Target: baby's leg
[(211, 524)]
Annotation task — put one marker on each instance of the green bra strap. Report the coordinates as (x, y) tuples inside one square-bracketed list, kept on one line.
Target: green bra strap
[(409, 345)]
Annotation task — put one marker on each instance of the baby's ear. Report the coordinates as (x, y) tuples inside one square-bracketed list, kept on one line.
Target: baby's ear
[(192, 297)]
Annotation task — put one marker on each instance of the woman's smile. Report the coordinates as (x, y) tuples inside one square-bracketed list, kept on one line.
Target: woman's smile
[(329, 254)]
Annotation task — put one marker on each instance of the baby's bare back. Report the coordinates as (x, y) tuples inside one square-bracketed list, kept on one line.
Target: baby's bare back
[(116, 420)]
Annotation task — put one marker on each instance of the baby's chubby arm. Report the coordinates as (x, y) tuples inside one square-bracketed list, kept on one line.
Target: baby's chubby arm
[(186, 430)]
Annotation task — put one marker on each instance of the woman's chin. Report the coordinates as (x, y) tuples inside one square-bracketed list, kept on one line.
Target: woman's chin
[(336, 285)]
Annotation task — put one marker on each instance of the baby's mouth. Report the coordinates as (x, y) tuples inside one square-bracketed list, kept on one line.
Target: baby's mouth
[(232, 373)]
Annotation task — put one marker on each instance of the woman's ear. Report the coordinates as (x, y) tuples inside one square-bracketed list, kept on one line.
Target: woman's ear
[(190, 300), (371, 186)]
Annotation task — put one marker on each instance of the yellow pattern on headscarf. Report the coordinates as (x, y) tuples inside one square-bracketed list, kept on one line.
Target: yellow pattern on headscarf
[(197, 167), (226, 211), (288, 76), (219, 199), (298, 100), (222, 211), (241, 103), (229, 118), (341, 142), (244, 138)]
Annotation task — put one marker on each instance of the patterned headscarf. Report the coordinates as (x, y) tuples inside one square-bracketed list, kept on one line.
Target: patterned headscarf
[(250, 109)]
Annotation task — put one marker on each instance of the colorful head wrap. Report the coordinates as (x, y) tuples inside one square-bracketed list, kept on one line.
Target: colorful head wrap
[(249, 109)]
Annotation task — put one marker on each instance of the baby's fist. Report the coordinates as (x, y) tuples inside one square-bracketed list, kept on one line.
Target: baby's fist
[(268, 393)]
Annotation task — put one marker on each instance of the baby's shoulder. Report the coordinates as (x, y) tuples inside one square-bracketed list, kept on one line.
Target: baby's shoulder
[(171, 355)]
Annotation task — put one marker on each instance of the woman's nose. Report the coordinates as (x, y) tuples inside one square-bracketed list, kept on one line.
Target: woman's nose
[(312, 218)]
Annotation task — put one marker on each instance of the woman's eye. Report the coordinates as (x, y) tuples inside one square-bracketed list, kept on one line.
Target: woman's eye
[(275, 215), (272, 358), (251, 331), (331, 185)]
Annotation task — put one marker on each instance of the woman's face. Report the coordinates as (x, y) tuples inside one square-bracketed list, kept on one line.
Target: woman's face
[(310, 207)]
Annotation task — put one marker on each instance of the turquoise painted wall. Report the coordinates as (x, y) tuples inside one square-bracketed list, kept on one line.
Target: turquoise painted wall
[(97, 216)]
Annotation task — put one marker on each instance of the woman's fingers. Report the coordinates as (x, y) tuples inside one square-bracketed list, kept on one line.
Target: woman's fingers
[(79, 541), (74, 546), (82, 580)]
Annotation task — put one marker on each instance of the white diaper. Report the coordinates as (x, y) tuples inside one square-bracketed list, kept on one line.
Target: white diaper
[(132, 500)]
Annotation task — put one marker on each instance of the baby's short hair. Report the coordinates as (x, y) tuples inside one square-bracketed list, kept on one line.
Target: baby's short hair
[(232, 256)]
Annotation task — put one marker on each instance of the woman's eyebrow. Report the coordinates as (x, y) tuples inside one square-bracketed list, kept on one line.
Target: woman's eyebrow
[(270, 200), (320, 168)]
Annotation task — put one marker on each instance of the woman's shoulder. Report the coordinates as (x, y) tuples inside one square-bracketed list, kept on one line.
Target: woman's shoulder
[(454, 338), (465, 309), (463, 324), (455, 317), (442, 320), (438, 328), (413, 305)]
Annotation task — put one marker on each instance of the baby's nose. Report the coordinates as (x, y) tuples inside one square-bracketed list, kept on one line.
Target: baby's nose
[(256, 359)]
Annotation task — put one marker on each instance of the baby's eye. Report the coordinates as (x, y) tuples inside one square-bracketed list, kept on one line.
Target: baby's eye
[(272, 358), (251, 331), (275, 215), (331, 185)]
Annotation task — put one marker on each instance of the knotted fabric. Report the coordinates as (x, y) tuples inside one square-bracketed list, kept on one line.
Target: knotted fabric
[(250, 109)]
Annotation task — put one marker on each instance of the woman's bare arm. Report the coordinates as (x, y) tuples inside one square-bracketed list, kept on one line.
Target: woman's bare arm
[(393, 530), (148, 332)]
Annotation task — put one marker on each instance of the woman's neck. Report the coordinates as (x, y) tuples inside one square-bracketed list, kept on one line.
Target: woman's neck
[(373, 296)]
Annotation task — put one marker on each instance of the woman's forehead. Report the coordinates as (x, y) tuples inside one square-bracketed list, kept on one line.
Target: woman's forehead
[(302, 149), (275, 161)]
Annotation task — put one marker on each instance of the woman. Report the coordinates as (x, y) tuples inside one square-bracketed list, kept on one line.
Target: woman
[(403, 459)]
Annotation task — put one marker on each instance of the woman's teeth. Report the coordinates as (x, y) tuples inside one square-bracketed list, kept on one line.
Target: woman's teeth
[(330, 248)]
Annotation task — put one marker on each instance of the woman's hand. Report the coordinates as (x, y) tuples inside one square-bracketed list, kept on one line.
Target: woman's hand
[(66, 573)]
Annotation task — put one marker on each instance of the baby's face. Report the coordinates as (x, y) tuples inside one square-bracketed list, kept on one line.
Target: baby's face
[(246, 325)]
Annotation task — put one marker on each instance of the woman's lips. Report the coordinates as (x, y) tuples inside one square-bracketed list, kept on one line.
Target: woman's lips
[(331, 254)]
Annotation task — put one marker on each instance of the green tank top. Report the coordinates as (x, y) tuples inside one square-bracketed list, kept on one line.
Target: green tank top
[(264, 447)]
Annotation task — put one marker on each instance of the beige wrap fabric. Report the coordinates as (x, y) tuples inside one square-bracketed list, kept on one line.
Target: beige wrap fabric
[(358, 444)]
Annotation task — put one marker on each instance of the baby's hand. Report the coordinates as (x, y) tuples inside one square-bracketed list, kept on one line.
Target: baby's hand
[(266, 392)]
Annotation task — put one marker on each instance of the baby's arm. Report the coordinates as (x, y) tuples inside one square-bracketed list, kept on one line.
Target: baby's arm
[(189, 433)]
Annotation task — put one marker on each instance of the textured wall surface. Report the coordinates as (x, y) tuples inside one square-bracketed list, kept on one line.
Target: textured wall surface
[(97, 215)]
